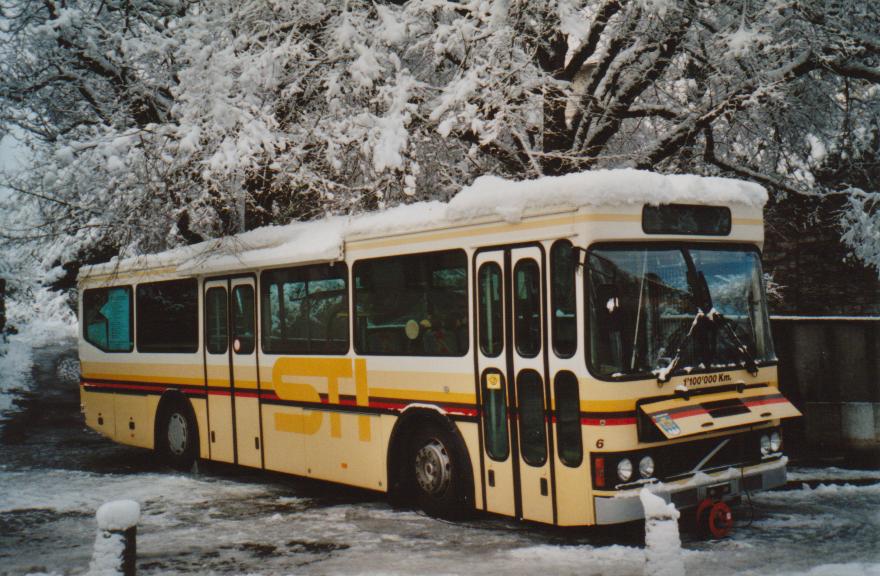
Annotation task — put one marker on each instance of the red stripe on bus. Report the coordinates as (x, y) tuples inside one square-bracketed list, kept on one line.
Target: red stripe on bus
[(771, 400), (760, 401), (124, 386), (158, 388), (344, 400), (608, 421), (686, 413)]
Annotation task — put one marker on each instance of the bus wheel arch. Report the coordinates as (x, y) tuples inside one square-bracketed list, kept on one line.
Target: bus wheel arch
[(176, 431), (429, 439)]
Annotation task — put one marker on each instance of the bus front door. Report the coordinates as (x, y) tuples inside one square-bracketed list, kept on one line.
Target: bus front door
[(511, 345), (231, 371)]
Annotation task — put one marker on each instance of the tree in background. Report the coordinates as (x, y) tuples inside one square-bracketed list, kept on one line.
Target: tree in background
[(160, 122)]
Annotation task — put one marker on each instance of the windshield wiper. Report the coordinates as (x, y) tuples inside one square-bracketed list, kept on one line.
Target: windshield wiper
[(665, 373), (751, 364)]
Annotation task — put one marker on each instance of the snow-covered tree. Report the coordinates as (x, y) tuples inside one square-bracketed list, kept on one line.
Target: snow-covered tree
[(159, 122)]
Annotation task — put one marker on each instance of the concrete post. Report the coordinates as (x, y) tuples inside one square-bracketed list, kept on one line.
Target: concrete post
[(662, 540), (115, 552)]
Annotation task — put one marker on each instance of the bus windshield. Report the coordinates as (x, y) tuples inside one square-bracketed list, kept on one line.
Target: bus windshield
[(675, 308)]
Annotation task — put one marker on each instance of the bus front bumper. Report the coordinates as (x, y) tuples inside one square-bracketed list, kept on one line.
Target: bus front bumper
[(626, 506)]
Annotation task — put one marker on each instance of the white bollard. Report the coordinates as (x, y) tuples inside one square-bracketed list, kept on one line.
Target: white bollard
[(115, 550), (662, 541)]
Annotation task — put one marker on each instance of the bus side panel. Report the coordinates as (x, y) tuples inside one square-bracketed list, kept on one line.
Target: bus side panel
[(284, 447), (134, 419), (247, 417), (200, 409), (347, 451), (220, 413), (611, 438), (573, 506), (470, 431), (100, 413), (385, 428)]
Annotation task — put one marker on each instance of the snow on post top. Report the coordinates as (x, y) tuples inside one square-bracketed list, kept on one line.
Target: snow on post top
[(657, 507), (118, 515), (510, 199)]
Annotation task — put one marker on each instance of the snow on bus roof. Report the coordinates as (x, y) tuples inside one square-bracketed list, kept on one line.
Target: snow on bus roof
[(489, 197), (509, 199)]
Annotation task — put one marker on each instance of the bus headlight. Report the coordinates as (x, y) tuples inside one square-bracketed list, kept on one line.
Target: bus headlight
[(624, 469), (646, 467), (765, 445), (775, 441)]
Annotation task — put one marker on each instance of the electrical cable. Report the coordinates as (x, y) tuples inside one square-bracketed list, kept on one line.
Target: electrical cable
[(748, 494)]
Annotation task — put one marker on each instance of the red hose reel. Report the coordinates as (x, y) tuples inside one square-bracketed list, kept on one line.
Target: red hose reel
[(714, 518)]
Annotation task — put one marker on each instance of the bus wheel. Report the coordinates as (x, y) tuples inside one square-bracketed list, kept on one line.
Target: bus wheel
[(178, 436), (436, 465)]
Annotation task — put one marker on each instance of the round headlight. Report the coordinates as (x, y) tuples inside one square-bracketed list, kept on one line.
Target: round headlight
[(765, 445), (646, 467), (624, 469), (775, 441)]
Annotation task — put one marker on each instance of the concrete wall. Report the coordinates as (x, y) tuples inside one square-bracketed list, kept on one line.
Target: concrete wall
[(830, 368)]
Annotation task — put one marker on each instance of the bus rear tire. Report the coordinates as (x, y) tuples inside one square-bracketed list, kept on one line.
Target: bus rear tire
[(436, 472), (178, 437)]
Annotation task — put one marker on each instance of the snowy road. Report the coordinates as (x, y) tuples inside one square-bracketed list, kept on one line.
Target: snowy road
[(54, 475)]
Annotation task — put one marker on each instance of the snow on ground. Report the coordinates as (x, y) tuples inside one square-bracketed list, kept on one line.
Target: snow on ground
[(211, 524), (831, 474)]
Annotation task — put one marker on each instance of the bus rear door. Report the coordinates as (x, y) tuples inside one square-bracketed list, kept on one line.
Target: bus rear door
[(231, 371)]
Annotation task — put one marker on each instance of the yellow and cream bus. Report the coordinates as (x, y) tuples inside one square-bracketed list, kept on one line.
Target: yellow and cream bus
[(539, 349)]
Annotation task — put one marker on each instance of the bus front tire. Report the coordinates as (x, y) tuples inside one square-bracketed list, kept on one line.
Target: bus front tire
[(436, 473), (178, 436)]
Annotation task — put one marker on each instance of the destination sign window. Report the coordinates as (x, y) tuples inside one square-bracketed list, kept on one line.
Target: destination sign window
[(686, 219)]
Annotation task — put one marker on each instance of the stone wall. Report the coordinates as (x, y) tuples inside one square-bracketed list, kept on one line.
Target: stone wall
[(830, 369)]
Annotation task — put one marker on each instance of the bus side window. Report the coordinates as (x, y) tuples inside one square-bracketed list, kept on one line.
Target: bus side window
[(216, 336), (107, 316), (491, 319), (495, 417), (568, 419), (305, 310), (168, 316), (562, 299), (532, 429), (412, 305), (527, 308), (243, 319)]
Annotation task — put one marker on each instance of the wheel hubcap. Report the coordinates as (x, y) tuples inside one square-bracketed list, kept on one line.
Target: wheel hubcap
[(177, 434), (433, 468)]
